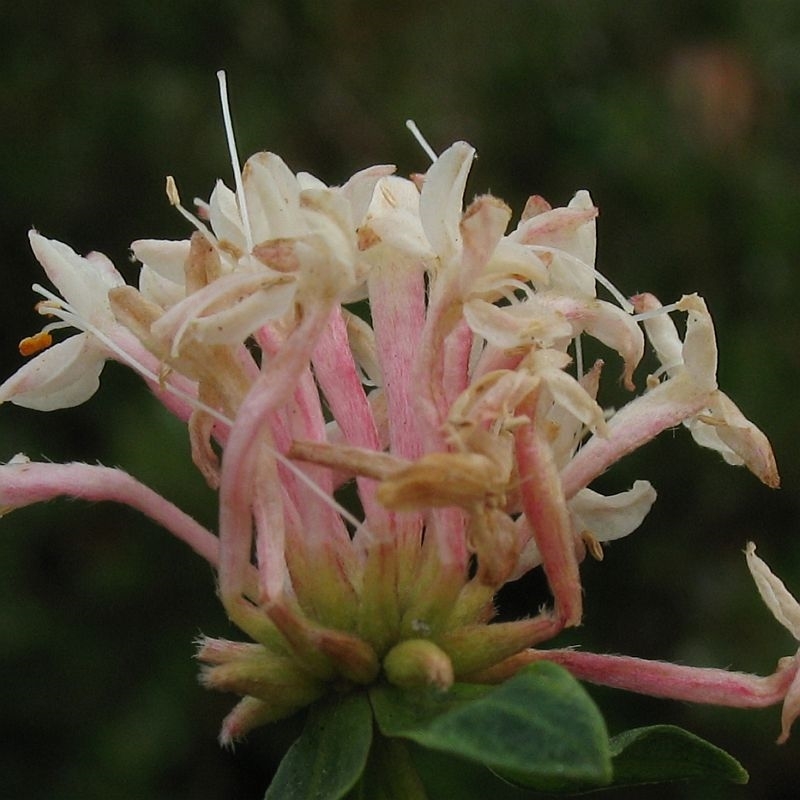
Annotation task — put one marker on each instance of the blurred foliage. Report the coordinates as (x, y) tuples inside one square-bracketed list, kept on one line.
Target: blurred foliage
[(680, 117)]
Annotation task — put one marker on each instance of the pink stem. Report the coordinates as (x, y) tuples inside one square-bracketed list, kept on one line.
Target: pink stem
[(678, 682), (271, 390), (23, 484), (546, 509), (428, 373), (457, 351), (397, 305), (632, 426), (339, 380)]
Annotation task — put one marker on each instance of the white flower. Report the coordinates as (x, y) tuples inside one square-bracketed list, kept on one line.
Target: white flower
[(720, 426), (786, 610), (68, 373)]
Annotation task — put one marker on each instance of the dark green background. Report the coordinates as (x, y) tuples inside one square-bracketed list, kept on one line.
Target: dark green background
[(683, 120)]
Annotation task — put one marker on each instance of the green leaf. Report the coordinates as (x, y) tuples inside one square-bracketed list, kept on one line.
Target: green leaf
[(539, 729), (390, 773), (668, 753), (446, 778), (329, 757)]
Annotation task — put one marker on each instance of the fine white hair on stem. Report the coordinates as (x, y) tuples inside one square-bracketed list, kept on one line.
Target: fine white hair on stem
[(235, 163), (423, 142)]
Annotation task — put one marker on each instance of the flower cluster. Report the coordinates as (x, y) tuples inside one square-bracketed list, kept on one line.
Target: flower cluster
[(378, 335)]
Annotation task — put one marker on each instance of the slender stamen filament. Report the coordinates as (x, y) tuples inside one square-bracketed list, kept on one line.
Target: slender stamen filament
[(237, 170), (623, 301), (423, 142), (175, 200), (578, 357), (656, 312), (514, 283), (203, 208)]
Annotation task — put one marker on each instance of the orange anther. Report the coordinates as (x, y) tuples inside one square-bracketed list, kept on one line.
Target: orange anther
[(31, 345)]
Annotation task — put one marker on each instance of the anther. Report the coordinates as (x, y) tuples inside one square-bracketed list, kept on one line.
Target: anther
[(175, 200), (593, 545), (31, 345)]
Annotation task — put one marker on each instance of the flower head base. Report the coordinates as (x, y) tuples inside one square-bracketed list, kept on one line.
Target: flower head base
[(458, 411)]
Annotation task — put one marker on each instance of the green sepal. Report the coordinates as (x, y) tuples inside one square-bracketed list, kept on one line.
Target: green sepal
[(326, 762)]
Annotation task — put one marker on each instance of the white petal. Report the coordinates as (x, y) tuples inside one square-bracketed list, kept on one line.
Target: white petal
[(360, 189), (610, 518), (234, 324), (514, 260), (64, 375), (773, 592), (163, 256), (516, 325), (791, 706), (661, 332), (273, 197), (699, 344), (225, 218), (566, 392), (82, 282), (569, 235), (584, 243), (328, 254), (159, 290), (747, 443), (224, 311), (481, 228), (392, 220), (605, 322), (442, 197), (305, 180), (723, 427)]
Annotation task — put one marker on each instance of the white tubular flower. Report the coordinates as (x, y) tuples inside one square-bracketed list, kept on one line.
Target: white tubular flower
[(392, 224), (227, 310), (786, 610), (441, 200), (65, 375), (720, 426), (162, 278), (612, 517), (68, 373), (566, 239), (597, 519), (273, 198)]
